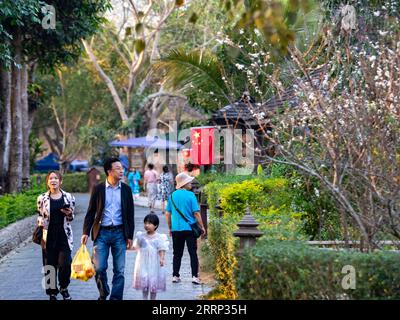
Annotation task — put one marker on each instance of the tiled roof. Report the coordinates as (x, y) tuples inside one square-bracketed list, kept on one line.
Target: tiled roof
[(236, 111), (240, 111)]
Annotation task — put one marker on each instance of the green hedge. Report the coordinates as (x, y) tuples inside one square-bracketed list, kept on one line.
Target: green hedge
[(206, 178), (270, 203), (293, 270), (75, 182), (14, 207), (72, 182)]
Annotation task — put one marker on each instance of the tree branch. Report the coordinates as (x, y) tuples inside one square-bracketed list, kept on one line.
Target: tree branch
[(108, 82), (58, 121), (163, 93)]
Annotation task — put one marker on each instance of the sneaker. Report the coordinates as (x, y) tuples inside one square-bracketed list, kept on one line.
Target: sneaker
[(176, 279), (196, 280), (53, 297), (65, 294)]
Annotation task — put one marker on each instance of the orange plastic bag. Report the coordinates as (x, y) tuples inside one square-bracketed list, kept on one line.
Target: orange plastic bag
[(82, 267)]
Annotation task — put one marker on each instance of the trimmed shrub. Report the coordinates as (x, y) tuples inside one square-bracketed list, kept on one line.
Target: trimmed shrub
[(293, 270), (209, 177), (14, 207), (269, 201), (222, 246), (72, 182), (75, 182)]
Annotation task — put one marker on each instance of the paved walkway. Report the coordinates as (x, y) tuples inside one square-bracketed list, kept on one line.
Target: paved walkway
[(20, 270)]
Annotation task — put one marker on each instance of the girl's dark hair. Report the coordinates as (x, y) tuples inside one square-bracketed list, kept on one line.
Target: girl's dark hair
[(108, 164), (165, 168), (57, 173), (151, 166), (153, 219), (189, 167)]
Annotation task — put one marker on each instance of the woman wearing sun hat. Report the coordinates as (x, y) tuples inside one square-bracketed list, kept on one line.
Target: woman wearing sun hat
[(185, 201)]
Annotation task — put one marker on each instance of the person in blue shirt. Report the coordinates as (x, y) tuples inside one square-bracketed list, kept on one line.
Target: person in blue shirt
[(180, 230), (133, 179)]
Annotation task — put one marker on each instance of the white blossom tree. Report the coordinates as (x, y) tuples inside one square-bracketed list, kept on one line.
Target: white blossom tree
[(344, 128)]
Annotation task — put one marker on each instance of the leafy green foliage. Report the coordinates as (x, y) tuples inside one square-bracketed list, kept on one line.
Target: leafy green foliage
[(321, 218), (193, 26), (220, 178), (13, 15), (14, 207), (269, 201), (140, 45), (74, 20), (244, 55), (321, 215), (221, 246), (189, 71), (85, 101), (193, 18), (293, 270), (36, 148), (76, 182), (275, 19)]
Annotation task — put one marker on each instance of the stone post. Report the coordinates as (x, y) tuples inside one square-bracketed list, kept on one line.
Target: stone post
[(248, 231)]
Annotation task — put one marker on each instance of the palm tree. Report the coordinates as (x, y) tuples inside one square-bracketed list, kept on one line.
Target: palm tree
[(199, 71), (194, 71)]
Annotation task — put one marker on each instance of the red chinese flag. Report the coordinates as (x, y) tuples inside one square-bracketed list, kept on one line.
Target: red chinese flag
[(202, 139)]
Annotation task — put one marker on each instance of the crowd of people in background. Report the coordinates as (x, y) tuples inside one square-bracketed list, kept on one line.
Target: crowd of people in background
[(155, 185)]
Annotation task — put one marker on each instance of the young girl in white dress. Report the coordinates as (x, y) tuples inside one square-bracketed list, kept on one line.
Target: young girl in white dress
[(149, 274)]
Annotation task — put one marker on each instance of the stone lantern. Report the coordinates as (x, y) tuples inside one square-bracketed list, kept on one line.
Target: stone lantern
[(247, 232)]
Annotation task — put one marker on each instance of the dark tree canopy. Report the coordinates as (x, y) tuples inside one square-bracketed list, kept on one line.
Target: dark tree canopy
[(75, 19)]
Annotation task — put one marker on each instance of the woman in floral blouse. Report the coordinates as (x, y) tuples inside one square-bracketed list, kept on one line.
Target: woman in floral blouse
[(56, 211), (166, 186)]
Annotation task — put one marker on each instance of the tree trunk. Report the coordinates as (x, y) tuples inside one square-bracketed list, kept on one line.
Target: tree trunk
[(15, 165), (153, 121), (26, 128), (5, 127), (155, 111), (344, 226)]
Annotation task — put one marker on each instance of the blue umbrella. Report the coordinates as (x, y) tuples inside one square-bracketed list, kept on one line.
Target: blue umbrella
[(47, 163), (147, 142)]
